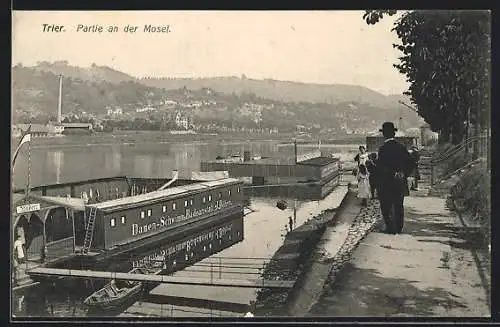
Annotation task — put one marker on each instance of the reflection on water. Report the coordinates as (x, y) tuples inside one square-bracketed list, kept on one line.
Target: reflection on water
[(112, 161), (263, 232), (262, 235), (163, 164), (74, 163), (55, 160), (66, 298), (143, 166)]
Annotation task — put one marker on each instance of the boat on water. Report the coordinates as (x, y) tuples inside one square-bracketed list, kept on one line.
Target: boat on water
[(101, 218), (116, 293)]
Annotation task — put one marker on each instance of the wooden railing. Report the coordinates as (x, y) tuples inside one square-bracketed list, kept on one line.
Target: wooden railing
[(480, 142), (459, 147)]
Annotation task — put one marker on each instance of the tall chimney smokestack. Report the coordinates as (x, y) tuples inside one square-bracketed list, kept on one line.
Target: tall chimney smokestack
[(295, 151), (59, 104)]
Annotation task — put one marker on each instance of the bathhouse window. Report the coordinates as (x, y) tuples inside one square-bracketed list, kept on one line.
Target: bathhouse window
[(185, 203), (209, 198), (229, 192), (173, 206), (149, 212), (113, 222), (204, 199), (238, 189), (143, 214), (123, 220), (191, 202), (220, 195), (164, 208)]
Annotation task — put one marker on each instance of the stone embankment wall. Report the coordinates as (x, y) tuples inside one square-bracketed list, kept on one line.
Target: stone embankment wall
[(291, 259), (288, 263)]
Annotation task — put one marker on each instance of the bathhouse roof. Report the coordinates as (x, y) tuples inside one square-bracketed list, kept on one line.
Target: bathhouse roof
[(155, 195)]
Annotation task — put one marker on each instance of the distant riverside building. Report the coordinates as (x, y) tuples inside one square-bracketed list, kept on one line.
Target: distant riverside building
[(37, 130), (56, 129), (375, 141), (77, 128), (427, 136)]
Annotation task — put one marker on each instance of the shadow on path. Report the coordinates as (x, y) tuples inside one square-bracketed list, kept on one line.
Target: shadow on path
[(403, 299)]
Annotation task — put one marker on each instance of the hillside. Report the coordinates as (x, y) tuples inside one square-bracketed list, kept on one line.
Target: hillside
[(36, 90), (93, 73), (226, 100), (280, 90), (285, 91)]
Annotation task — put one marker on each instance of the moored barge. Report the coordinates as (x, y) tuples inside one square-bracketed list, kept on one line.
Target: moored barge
[(119, 214)]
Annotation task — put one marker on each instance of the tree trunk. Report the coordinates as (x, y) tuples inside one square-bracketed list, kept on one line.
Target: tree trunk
[(456, 138), (476, 152), (488, 152), (444, 135)]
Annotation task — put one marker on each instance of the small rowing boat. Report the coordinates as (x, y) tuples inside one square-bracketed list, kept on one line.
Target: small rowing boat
[(116, 293)]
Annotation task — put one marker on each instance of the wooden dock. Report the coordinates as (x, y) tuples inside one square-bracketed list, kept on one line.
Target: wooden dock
[(74, 273)]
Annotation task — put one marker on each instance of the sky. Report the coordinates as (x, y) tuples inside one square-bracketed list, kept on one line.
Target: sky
[(325, 47)]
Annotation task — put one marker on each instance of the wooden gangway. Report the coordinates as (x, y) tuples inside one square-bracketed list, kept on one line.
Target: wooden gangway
[(75, 273)]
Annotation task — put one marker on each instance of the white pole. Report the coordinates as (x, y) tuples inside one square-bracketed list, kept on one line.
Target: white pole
[(29, 168), (59, 105)]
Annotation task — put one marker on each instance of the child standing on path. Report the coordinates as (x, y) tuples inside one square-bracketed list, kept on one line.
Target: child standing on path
[(363, 185), (371, 165)]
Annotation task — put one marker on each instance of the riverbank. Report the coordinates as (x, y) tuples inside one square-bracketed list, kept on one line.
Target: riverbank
[(430, 270), (138, 137)]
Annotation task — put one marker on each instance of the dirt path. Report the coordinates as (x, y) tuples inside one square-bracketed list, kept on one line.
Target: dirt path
[(428, 270)]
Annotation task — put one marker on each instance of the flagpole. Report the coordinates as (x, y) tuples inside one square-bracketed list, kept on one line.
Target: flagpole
[(29, 167)]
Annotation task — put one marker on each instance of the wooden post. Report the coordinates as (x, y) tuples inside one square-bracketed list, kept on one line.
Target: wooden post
[(432, 172), (45, 234), (488, 152), (220, 267), (74, 232), (295, 213), (295, 151)]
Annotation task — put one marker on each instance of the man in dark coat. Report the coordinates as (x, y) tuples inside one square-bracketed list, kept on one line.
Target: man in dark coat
[(394, 166)]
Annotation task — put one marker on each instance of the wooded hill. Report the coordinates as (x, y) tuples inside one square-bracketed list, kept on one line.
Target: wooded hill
[(92, 89)]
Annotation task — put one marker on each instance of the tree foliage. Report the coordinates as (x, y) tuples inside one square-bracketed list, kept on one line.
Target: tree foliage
[(446, 57)]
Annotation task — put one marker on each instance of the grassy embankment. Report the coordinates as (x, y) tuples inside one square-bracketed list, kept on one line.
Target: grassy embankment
[(471, 195)]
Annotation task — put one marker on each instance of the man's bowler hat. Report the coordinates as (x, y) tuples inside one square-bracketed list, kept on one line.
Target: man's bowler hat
[(388, 126)]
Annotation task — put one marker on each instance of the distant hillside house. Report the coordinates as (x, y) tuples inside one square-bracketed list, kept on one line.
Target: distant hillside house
[(181, 120), (115, 111), (301, 128), (170, 103), (145, 109), (193, 104)]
